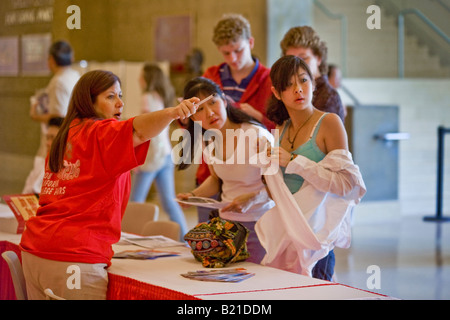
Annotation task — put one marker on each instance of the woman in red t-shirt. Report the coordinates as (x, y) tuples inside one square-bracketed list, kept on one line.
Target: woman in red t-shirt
[(67, 246)]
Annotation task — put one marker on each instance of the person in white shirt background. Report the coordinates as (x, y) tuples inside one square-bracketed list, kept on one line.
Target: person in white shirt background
[(33, 183), (52, 102)]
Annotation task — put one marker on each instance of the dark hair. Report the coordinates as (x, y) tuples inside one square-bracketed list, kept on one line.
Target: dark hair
[(62, 53), (194, 61), (203, 86), (280, 74), (156, 80), (55, 121), (331, 68), (81, 106)]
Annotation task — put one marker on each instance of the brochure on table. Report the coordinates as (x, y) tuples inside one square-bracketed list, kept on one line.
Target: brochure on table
[(152, 247), (219, 275), (149, 242)]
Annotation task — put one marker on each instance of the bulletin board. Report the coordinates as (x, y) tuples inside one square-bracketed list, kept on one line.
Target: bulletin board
[(173, 38), (34, 58), (9, 56)]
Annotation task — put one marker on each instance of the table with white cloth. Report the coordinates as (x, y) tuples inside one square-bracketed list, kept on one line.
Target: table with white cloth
[(161, 278)]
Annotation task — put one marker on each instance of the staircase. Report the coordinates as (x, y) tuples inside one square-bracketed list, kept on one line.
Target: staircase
[(373, 53)]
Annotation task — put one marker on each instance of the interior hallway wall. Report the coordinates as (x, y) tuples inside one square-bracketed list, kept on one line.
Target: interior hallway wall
[(19, 135), (423, 107), (124, 30), (113, 30)]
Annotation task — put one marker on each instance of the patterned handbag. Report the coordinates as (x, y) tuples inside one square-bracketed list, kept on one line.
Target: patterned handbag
[(218, 242)]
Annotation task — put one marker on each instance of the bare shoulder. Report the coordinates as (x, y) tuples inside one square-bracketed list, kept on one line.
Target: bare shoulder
[(333, 132), (333, 120)]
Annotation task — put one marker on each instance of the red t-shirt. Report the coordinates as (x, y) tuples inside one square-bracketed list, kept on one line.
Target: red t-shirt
[(82, 206)]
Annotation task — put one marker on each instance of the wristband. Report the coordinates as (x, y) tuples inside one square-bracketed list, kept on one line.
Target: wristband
[(292, 157)]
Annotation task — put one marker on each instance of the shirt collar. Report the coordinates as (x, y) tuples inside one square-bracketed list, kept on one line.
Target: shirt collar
[(225, 72)]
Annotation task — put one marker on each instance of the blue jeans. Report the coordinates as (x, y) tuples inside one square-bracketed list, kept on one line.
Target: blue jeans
[(165, 184), (324, 268)]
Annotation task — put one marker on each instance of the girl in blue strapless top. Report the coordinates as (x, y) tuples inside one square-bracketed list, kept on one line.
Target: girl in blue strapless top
[(306, 132), (309, 149)]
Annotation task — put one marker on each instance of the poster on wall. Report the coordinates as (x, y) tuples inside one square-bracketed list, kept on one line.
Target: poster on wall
[(9, 56), (35, 54), (173, 39)]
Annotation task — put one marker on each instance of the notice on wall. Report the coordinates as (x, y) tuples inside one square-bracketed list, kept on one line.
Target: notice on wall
[(23, 12), (9, 56), (172, 38), (35, 54)]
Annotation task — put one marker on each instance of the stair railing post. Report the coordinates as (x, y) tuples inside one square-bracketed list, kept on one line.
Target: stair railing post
[(440, 178)]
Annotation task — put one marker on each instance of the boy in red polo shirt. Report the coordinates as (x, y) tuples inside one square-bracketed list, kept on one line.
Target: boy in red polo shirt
[(242, 77)]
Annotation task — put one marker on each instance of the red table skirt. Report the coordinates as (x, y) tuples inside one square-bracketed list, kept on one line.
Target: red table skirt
[(119, 287), (124, 288), (6, 285)]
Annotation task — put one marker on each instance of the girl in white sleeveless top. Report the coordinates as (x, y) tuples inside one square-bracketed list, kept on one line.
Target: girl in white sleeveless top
[(232, 159)]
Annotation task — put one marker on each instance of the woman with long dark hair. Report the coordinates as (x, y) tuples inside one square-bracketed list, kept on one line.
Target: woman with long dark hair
[(232, 157), (317, 169), (86, 188)]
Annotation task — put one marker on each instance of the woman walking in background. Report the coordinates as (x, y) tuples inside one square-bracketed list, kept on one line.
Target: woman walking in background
[(158, 94)]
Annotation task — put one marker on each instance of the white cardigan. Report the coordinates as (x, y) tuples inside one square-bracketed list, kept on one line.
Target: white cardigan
[(303, 227)]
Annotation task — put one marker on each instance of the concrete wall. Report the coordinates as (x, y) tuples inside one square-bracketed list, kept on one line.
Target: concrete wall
[(19, 136), (124, 30), (111, 31), (373, 52)]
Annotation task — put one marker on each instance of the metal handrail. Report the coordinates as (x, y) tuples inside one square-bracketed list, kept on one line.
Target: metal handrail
[(401, 35), (351, 96), (444, 5), (344, 32), (442, 131)]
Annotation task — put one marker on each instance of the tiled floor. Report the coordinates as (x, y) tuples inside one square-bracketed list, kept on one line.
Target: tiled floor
[(413, 257)]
